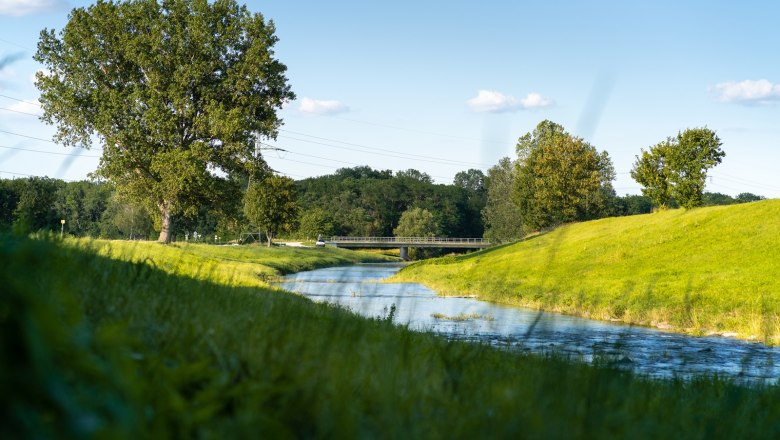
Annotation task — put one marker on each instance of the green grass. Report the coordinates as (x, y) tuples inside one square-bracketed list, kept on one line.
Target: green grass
[(708, 270), (249, 265), (94, 346)]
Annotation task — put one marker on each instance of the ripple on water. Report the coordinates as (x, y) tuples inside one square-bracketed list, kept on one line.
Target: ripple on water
[(647, 351)]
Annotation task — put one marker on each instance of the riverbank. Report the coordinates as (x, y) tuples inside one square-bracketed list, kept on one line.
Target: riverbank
[(702, 271), (95, 346), (250, 265)]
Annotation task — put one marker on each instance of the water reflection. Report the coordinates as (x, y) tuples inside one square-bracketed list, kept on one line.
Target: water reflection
[(646, 351)]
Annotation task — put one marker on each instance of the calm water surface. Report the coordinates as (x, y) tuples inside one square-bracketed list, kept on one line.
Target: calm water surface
[(647, 351)]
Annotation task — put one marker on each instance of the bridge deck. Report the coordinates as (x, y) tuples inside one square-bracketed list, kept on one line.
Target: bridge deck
[(412, 242)]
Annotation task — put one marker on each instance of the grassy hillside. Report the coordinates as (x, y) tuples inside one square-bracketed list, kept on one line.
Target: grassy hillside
[(228, 265), (97, 347), (699, 271)]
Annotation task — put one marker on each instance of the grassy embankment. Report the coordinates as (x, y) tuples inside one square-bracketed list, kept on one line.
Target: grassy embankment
[(227, 265), (94, 346), (708, 270)]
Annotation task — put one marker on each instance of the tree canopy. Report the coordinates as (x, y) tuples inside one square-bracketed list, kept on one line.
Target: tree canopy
[(271, 205), (560, 177), (365, 202), (173, 90), (416, 222), (677, 167), (501, 215)]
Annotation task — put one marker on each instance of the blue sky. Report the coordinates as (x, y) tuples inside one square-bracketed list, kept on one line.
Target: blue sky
[(447, 86)]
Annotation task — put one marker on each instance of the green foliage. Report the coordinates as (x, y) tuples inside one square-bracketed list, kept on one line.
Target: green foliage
[(35, 207), (172, 90), (100, 347), (501, 215), (471, 180), (367, 202), (414, 175), (714, 199), (707, 270), (270, 205), (315, 222), (652, 172), (560, 178), (677, 168), (747, 197), (417, 222), (633, 205)]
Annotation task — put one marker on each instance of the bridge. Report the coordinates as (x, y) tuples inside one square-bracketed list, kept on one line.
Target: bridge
[(404, 243)]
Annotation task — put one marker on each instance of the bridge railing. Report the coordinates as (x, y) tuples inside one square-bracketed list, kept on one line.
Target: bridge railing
[(407, 240)]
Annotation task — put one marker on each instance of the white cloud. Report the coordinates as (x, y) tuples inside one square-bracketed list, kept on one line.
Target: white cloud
[(535, 100), (18, 8), (495, 102), (748, 91), (317, 107)]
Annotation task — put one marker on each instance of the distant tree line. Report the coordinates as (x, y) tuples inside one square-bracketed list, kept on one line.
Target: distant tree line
[(353, 201), (362, 201)]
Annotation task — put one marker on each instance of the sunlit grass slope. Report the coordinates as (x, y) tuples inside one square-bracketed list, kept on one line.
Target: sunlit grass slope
[(94, 347), (231, 265), (699, 271)]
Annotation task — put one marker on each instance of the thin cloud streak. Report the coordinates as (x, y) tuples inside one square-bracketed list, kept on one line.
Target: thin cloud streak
[(489, 101)]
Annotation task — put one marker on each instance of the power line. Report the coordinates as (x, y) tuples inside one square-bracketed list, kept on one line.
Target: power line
[(29, 137), (397, 156), (14, 44), (74, 153), (34, 175), (395, 127), (747, 182), (18, 111), (21, 100), (393, 151)]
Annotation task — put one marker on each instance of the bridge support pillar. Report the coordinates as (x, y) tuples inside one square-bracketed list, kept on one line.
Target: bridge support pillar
[(404, 253)]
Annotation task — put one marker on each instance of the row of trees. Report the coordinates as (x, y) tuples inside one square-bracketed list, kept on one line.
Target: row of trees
[(353, 201), (89, 209), (558, 178)]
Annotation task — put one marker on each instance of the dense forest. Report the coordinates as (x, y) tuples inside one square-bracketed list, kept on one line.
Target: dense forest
[(352, 201)]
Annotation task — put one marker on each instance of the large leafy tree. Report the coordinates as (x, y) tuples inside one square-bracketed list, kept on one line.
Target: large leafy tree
[(174, 90), (271, 205), (315, 222), (677, 168), (417, 222), (651, 171), (501, 215), (560, 177)]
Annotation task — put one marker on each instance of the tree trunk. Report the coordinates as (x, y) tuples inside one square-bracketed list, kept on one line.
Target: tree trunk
[(269, 234), (166, 223)]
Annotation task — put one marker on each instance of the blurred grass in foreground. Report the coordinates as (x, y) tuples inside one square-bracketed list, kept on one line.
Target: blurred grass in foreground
[(706, 270), (98, 347)]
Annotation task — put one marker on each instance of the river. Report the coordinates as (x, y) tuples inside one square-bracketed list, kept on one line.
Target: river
[(646, 351)]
